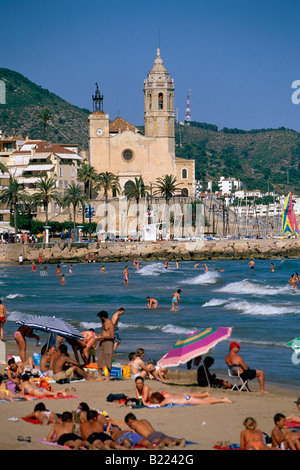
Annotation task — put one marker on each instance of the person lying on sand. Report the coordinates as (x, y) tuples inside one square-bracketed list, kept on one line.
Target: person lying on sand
[(92, 432), (10, 395), (164, 399), (31, 388), (145, 429), (63, 433), (43, 415)]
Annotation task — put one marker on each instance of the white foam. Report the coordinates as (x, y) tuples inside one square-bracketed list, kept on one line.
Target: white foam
[(215, 302), (153, 269), (248, 287), (260, 309), (14, 296), (202, 279)]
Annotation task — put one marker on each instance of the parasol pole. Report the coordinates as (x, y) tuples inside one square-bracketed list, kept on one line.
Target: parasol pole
[(206, 373)]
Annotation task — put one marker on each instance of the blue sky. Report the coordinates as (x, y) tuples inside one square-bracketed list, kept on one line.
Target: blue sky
[(238, 57)]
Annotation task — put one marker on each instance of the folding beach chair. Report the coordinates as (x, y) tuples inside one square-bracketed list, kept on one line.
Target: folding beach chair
[(239, 383)]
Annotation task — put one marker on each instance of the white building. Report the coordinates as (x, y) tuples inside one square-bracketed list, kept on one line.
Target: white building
[(229, 185)]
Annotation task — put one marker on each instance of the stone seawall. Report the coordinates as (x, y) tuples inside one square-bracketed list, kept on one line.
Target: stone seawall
[(172, 250)]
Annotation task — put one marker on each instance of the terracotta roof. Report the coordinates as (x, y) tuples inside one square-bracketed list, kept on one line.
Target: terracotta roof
[(120, 125)]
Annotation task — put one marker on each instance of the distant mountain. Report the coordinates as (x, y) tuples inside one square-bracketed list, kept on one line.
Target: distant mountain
[(261, 158), (25, 100)]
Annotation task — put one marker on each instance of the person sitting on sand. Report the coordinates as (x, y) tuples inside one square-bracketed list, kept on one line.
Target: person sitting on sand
[(292, 417), (43, 415), (63, 433), (139, 369), (142, 391), (10, 395), (145, 429), (92, 432), (164, 399), (46, 361), (32, 389), (206, 379), (252, 438), (233, 359), (64, 368), (14, 373), (282, 437)]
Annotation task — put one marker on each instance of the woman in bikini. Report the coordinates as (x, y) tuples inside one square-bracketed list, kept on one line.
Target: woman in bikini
[(10, 395), (43, 415), (142, 391), (30, 388), (163, 399), (252, 438), (20, 336)]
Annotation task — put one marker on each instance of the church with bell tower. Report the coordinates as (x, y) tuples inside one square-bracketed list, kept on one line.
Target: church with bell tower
[(118, 146)]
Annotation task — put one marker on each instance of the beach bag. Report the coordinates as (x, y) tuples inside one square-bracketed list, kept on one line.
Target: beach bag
[(126, 372), (116, 397), (44, 384)]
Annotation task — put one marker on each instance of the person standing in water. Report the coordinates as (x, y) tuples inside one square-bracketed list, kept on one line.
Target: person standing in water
[(175, 299)]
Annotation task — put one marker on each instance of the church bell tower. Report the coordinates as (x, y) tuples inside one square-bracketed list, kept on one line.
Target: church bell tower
[(159, 111)]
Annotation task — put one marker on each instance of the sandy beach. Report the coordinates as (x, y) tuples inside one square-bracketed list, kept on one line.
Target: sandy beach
[(202, 425)]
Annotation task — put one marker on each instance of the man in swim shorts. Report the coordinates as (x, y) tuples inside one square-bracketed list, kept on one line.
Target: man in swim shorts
[(92, 432), (233, 359), (106, 348), (63, 433), (152, 303)]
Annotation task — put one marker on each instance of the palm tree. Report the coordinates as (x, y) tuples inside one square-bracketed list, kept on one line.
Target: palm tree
[(46, 193), (45, 115), (166, 187), (87, 174), (136, 190), (13, 195), (74, 196), (107, 181)]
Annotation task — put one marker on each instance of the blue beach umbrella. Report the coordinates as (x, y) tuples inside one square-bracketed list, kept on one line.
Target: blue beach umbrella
[(51, 325)]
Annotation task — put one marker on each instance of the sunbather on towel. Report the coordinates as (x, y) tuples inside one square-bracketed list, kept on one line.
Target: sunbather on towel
[(128, 439), (160, 399), (43, 415), (9, 395), (63, 433), (30, 388), (145, 429)]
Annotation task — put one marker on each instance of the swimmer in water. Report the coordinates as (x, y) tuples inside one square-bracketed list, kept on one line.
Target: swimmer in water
[(175, 299), (63, 280), (251, 264), (205, 268), (293, 281), (152, 303), (272, 270), (196, 265), (125, 275)]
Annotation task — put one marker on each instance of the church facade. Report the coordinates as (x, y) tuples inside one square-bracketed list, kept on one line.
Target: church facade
[(118, 147)]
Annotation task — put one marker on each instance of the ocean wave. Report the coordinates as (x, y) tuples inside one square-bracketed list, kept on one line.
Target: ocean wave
[(14, 296), (153, 269), (248, 287), (258, 309), (203, 279), (215, 302)]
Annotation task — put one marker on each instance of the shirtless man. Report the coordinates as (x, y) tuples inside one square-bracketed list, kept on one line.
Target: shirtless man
[(65, 368), (115, 320), (92, 432), (251, 264), (233, 359), (175, 299), (152, 303), (106, 347), (125, 275), (145, 429), (3, 319), (63, 433)]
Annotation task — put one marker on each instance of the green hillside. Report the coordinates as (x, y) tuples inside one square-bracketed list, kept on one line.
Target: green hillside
[(261, 158), (24, 102)]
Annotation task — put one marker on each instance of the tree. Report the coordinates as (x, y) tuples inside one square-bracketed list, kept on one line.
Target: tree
[(74, 196), (13, 195), (46, 193), (87, 174), (45, 115), (136, 190), (167, 186), (107, 181)]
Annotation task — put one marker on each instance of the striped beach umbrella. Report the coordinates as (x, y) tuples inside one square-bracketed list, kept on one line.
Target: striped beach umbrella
[(193, 345), (51, 325)]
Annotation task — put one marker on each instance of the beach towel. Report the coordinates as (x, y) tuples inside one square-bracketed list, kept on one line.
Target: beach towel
[(291, 424), (53, 398), (43, 441)]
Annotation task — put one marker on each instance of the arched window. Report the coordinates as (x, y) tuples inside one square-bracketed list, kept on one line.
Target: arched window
[(160, 101), (184, 174), (128, 184), (184, 192), (150, 101)]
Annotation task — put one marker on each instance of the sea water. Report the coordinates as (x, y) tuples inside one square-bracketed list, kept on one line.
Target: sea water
[(259, 305)]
